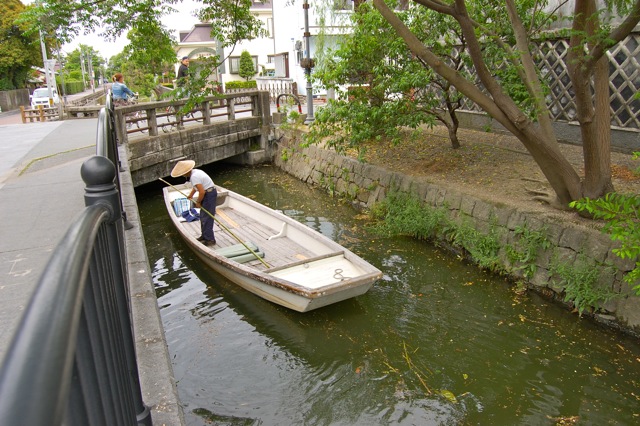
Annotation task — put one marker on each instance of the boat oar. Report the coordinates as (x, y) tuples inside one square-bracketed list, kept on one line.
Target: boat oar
[(222, 226)]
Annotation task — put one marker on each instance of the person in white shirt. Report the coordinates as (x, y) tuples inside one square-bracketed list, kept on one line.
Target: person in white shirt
[(207, 196)]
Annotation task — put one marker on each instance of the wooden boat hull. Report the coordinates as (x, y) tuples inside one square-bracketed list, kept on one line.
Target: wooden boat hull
[(302, 270)]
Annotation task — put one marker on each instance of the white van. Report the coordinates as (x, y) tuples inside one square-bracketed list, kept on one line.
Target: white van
[(41, 97)]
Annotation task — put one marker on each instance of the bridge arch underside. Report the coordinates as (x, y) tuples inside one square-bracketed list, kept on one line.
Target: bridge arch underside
[(153, 157)]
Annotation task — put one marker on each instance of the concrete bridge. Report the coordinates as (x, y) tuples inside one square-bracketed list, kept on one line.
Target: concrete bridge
[(157, 134)]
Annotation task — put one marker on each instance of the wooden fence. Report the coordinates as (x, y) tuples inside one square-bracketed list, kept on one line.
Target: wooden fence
[(39, 114)]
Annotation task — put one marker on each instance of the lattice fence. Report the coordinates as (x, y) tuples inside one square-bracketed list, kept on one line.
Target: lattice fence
[(278, 88), (274, 89), (624, 81)]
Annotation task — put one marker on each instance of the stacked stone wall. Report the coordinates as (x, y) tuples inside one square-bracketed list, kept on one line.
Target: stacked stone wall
[(572, 244)]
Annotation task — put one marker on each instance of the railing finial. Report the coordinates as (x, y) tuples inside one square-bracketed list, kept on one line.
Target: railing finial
[(99, 173)]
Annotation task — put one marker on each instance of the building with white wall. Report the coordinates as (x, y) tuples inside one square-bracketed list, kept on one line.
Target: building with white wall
[(328, 21), (195, 44), (279, 53)]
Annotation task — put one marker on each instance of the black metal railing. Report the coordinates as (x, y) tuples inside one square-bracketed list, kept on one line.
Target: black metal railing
[(72, 359)]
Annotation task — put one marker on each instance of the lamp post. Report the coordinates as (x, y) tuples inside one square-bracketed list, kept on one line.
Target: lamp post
[(308, 63)]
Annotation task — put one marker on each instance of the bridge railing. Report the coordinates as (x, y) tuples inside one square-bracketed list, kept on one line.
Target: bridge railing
[(166, 116), (72, 359)]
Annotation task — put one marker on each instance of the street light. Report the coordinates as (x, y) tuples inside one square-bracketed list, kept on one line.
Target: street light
[(307, 64)]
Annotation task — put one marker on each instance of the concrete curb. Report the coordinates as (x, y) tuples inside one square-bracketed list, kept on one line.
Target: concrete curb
[(158, 384)]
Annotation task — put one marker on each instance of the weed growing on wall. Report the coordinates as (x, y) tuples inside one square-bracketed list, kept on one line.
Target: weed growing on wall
[(524, 253), (483, 248), (404, 214), (580, 283)]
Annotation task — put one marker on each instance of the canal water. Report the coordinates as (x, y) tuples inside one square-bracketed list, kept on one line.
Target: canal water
[(435, 342)]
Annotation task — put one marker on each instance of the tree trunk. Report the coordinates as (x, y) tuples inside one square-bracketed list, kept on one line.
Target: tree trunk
[(561, 176), (453, 126), (593, 106)]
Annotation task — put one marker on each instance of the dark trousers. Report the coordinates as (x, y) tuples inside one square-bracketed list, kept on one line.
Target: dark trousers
[(206, 221)]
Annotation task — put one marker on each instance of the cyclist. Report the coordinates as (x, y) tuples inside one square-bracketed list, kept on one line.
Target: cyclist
[(122, 95)]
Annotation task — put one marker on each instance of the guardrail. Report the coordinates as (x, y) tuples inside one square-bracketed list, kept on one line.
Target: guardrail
[(167, 116), (72, 360)]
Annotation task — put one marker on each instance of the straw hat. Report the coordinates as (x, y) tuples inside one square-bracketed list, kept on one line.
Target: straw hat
[(182, 168)]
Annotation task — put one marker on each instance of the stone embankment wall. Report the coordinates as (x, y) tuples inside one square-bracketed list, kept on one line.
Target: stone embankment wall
[(573, 245)]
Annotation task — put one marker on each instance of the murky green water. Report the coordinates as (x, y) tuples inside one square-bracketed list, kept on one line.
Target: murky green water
[(436, 341)]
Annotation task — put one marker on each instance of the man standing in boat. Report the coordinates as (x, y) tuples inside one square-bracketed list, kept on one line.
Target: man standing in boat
[(206, 200)]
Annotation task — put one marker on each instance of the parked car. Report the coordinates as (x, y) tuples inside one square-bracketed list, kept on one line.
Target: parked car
[(41, 97)]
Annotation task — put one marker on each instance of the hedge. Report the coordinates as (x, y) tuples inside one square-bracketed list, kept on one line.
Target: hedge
[(251, 84)]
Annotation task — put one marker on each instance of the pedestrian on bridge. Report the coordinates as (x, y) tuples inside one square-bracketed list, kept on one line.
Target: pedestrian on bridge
[(183, 72), (206, 200)]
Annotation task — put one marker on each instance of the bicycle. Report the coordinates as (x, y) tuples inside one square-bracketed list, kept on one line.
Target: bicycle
[(179, 119), (136, 118)]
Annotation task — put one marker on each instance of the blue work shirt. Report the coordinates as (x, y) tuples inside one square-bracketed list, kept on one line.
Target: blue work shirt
[(121, 91)]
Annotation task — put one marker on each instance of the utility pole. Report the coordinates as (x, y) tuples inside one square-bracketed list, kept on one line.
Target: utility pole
[(64, 89), (84, 81), (45, 63), (91, 74)]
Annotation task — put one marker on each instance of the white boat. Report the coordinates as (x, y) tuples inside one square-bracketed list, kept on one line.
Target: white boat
[(273, 255)]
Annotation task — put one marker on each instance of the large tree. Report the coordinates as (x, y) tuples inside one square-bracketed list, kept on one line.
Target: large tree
[(590, 38), (19, 49)]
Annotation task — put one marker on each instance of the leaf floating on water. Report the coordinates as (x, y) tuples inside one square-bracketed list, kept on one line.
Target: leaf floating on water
[(449, 395), (563, 421), (358, 370), (465, 376)]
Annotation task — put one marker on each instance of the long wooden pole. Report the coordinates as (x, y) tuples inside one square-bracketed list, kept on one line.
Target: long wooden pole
[(222, 226)]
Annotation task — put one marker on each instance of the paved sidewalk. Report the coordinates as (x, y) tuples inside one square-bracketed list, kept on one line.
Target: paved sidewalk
[(42, 192)]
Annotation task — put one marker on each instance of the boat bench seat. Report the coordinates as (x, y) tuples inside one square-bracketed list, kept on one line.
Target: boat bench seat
[(240, 253), (303, 261)]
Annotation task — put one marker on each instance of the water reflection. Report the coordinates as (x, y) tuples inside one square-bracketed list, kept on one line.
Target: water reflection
[(435, 341)]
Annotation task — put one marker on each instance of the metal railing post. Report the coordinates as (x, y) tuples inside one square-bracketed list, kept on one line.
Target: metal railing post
[(99, 174)]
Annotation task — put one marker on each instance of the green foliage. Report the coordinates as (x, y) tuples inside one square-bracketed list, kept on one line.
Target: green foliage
[(19, 49), (483, 248), (252, 84), (246, 69), (158, 57), (150, 46), (622, 215), (404, 214), (580, 283), (525, 252), (73, 64), (387, 91), (71, 87)]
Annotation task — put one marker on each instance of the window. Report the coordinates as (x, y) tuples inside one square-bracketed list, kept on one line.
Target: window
[(234, 64), (269, 27)]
